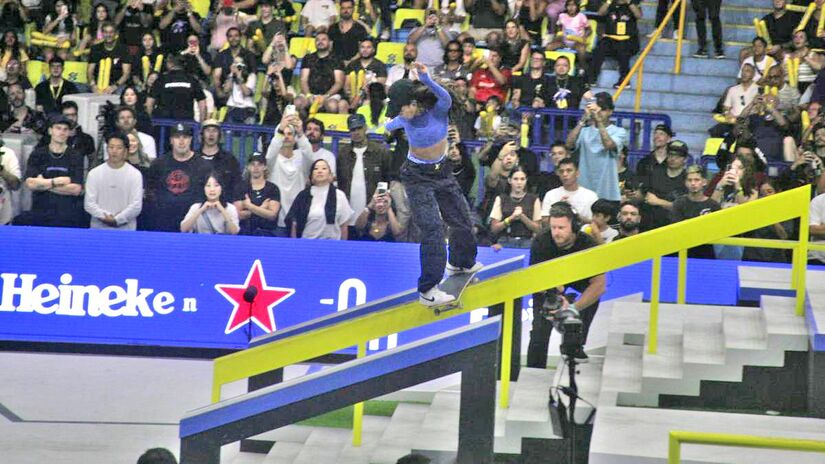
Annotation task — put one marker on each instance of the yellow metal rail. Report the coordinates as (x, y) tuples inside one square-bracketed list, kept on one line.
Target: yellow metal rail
[(678, 437), (639, 65), (650, 245)]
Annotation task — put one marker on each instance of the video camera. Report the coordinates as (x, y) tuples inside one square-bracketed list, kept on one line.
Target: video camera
[(565, 320)]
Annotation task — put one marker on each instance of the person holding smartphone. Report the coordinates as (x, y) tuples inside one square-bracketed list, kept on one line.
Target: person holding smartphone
[(378, 221)]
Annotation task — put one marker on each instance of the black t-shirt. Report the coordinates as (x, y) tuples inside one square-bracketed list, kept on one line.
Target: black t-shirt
[(174, 36), (322, 72), (484, 17), (511, 52), (376, 67), (665, 187), (569, 90), (173, 187), (685, 208), (646, 165), (345, 44), (119, 57), (227, 166), (620, 22), (50, 97), (132, 29), (269, 192), (781, 29), (530, 87), (50, 165), (175, 94), (155, 61), (544, 248)]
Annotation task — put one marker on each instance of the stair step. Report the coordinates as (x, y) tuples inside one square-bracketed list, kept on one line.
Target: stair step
[(660, 102), (667, 47), (404, 424), (622, 370), (730, 32), (666, 363), (782, 324), (703, 343), (290, 433), (252, 458), (283, 452), (730, 15), (744, 329), (323, 445), (529, 402), (661, 82)]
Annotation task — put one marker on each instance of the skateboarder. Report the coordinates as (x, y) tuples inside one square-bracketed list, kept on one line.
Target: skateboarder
[(421, 108)]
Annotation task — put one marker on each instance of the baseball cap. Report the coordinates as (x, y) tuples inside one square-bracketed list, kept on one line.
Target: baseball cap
[(399, 95), (677, 147), (605, 101), (257, 157), (181, 129), (210, 123), (356, 121), (666, 129), (60, 119)]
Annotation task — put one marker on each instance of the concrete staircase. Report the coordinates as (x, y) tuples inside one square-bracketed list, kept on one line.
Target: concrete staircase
[(689, 97)]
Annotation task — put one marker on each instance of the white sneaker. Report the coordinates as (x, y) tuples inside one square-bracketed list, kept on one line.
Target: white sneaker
[(453, 270), (435, 297)]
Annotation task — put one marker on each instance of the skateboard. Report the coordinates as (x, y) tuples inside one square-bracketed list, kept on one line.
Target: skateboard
[(455, 286)]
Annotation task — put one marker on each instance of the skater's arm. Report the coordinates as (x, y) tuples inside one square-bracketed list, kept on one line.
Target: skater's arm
[(444, 100), (394, 124)]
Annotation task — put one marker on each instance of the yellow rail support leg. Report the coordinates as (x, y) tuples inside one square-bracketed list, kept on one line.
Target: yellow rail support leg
[(653, 324), (637, 105), (506, 354), (677, 65), (681, 281), (358, 408), (802, 261)]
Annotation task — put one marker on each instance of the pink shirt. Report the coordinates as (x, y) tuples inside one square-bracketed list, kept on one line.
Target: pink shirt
[(572, 26), (222, 24)]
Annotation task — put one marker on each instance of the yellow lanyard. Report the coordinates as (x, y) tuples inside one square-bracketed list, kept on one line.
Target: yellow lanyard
[(56, 93)]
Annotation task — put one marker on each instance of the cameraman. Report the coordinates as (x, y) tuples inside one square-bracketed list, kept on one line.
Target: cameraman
[(562, 239)]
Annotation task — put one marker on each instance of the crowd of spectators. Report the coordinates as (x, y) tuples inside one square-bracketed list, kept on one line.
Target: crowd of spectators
[(234, 63)]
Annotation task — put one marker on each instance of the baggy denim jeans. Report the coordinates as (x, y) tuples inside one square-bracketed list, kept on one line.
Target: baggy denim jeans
[(432, 189)]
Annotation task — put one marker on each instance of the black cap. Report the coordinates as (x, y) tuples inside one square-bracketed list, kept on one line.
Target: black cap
[(181, 129), (605, 101), (399, 94), (666, 129), (60, 119), (677, 147), (257, 157), (356, 121)]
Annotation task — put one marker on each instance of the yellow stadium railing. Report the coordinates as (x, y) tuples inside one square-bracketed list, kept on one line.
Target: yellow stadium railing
[(638, 66), (649, 245), (677, 438)]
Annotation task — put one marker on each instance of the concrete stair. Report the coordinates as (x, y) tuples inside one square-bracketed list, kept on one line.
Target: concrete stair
[(697, 343)]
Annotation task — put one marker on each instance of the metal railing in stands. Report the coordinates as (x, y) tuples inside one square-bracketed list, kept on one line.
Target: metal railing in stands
[(548, 125)]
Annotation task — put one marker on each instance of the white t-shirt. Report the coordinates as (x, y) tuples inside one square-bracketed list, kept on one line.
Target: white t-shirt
[(10, 163), (358, 186), (237, 99), (761, 68), (319, 12), (738, 98), (118, 192), (817, 212), (325, 155), (580, 199), (316, 226), (212, 221), (607, 235)]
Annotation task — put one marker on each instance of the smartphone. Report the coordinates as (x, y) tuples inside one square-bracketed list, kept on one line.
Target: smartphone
[(289, 110), (381, 188)]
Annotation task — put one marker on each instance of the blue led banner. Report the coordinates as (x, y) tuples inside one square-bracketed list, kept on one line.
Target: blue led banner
[(176, 290)]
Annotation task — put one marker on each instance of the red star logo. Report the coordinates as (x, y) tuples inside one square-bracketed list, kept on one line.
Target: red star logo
[(260, 310)]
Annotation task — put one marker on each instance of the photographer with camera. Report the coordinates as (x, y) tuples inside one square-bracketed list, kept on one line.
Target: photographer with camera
[(234, 64), (239, 91), (563, 238)]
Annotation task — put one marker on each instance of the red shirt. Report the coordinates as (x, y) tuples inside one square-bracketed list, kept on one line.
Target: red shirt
[(486, 85)]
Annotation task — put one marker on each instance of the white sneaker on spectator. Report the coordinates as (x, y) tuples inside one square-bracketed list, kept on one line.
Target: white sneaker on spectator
[(453, 270), (435, 297)]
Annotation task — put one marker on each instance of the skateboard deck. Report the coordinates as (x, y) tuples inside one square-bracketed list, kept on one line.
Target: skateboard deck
[(455, 286)]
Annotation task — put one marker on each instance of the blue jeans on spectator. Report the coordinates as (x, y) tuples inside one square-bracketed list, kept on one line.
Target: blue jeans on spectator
[(432, 188)]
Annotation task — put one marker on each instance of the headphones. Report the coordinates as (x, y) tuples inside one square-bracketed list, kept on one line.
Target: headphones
[(565, 209)]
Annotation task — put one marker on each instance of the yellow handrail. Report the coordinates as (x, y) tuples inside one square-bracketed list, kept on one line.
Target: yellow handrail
[(650, 245), (677, 437), (638, 66)]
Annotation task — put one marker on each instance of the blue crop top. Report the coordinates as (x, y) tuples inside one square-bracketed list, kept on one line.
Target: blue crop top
[(426, 130)]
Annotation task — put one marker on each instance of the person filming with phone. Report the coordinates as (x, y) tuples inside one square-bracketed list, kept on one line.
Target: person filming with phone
[(378, 222), (598, 142)]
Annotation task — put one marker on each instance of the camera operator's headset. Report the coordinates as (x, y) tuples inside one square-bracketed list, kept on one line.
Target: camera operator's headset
[(563, 208)]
